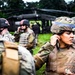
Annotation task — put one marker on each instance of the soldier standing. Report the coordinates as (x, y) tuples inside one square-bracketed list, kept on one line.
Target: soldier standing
[(27, 36), (59, 52), (36, 29), (4, 33)]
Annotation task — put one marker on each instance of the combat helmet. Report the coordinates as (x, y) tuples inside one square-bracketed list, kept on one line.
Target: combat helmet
[(4, 23), (62, 24), (73, 18), (25, 22)]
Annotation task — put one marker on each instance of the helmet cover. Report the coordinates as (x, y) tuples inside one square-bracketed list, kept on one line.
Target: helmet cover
[(62, 23)]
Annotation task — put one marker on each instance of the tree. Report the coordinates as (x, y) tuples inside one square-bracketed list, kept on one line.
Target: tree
[(11, 7), (71, 6), (16, 4), (53, 4), (32, 4)]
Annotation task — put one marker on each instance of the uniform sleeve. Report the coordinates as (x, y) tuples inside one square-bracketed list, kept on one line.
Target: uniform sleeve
[(31, 39), (26, 61), (17, 36), (42, 55)]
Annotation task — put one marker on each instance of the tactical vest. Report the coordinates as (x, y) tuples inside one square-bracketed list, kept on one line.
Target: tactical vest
[(23, 38), (59, 61), (28, 40), (9, 59)]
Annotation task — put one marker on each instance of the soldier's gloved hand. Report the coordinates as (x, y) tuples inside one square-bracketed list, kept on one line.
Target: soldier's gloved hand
[(54, 39), (18, 29)]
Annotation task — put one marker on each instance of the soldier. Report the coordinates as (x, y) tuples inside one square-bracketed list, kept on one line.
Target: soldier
[(4, 33), (59, 52), (27, 36), (15, 59), (36, 29)]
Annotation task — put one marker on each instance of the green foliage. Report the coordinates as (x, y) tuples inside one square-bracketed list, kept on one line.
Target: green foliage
[(71, 6), (53, 4), (12, 33), (18, 7), (32, 4), (2, 15), (15, 4)]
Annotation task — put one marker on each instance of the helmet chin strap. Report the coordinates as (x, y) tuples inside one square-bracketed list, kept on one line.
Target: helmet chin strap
[(1, 30)]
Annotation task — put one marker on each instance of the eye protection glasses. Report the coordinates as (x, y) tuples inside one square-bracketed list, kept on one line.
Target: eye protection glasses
[(22, 25)]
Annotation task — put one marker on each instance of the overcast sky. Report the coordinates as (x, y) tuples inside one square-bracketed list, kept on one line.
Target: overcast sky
[(38, 0), (68, 0)]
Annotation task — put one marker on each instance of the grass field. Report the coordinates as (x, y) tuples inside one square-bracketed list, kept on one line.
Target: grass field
[(42, 38)]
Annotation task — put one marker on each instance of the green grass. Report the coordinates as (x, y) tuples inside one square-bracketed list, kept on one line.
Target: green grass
[(42, 38)]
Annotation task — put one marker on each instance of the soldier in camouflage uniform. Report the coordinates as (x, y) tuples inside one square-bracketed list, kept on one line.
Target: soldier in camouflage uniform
[(26, 35), (15, 59), (4, 33), (59, 52)]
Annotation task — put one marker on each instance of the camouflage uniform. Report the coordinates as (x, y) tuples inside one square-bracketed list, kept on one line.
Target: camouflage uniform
[(26, 38), (17, 57), (57, 60), (8, 37), (27, 62), (4, 33)]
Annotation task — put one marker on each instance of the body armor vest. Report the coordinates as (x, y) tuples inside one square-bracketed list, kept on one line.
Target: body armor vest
[(24, 38), (59, 61)]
